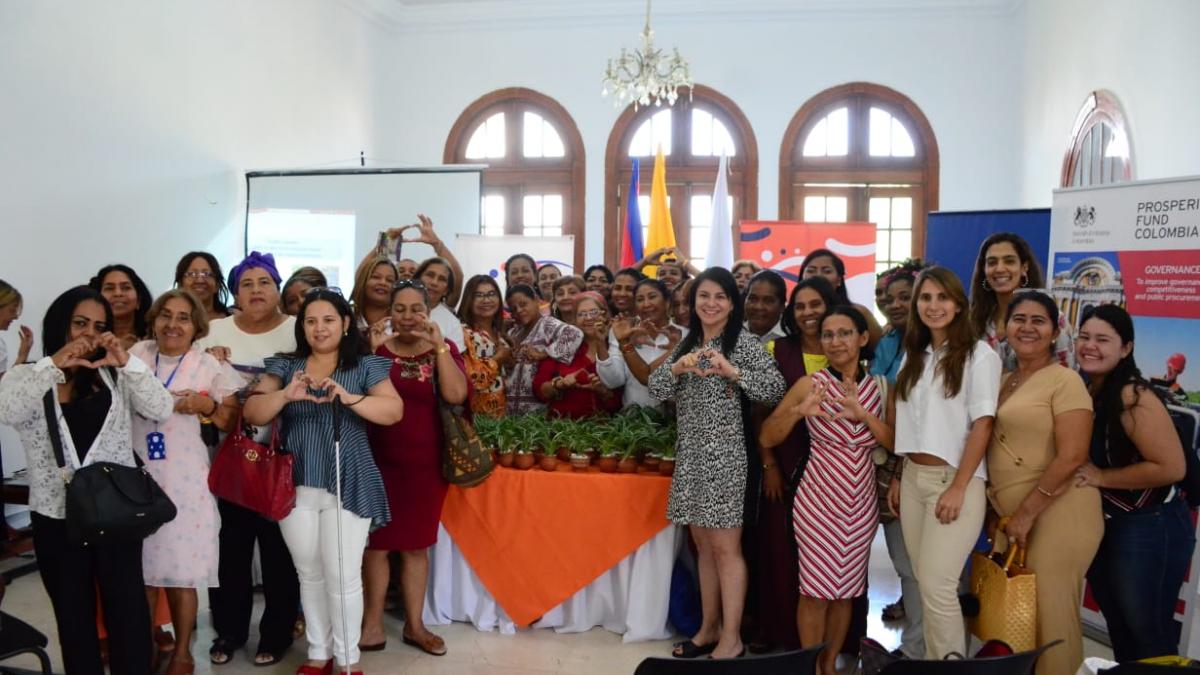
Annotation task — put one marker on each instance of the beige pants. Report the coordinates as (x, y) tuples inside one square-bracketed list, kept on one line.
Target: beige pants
[(938, 552)]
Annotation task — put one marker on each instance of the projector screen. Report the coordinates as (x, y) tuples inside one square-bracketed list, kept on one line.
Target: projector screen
[(330, 219)]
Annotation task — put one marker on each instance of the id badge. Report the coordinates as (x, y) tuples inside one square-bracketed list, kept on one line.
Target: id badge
[(156, 445)]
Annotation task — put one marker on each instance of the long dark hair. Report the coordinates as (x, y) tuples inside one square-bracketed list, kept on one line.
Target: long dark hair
[(352, 345), (960, 338), (823, 288), (466, 310), (865, 353), (221, 297), (144, 297), (603, 268), (983, 298), (519, 256), (723, 278), (840, 292), (1107, 399), (56, 327)]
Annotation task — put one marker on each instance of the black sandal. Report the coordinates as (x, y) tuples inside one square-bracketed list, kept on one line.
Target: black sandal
[(690, 650), (276, 657), (222, 651)]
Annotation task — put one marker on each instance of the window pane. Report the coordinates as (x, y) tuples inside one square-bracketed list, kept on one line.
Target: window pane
[(488, 139), (880, 133), (814, 209), (532, 135), (493, 215), (532, 214), (881, 245), (552, 211), (552, 145), (839, 132), (699, 242), (902, 143), (701, 211), (722, 140), (835, 209), (652, 133), (902, 208), (702, 132), (901, 244), (817, 143), (879, 211)]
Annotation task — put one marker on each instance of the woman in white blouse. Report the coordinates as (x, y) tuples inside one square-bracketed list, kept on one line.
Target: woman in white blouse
[(944, 403), (437, 274), (94, 388), (642, 343)]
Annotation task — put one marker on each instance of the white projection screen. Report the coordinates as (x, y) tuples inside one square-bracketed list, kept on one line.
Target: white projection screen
[(329, 219)]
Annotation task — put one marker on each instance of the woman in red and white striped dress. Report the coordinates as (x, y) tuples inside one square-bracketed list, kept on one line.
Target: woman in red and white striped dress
[(834, 512)]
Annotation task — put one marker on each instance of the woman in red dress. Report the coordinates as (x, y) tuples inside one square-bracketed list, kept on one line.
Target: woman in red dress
[(408, 454), (574, 389)]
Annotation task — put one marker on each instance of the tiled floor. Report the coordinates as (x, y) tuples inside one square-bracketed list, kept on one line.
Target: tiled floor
[(470, 651)]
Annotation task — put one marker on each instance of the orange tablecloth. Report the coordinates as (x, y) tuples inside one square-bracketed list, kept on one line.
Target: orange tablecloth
[(535, 538)]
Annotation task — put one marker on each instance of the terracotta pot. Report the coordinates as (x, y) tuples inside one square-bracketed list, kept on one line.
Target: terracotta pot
[(505, 458), (523, 461), (607, 464), (666, 467), (538, 455), (592, 454), (580, 462), (627, 465), (549, 463), (563, 454), (651, 461)]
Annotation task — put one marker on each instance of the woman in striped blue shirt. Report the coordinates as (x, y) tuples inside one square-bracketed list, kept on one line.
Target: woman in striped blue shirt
[(329, 363)]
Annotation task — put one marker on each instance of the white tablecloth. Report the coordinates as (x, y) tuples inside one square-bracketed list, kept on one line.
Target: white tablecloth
[(630, 599)]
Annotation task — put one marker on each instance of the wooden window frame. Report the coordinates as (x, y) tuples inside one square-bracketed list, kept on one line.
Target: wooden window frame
[(515, 175), (858, 166), (685, 172), (1100, 107)]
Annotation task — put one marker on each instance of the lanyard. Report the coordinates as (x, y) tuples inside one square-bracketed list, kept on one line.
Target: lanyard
[(171, 377)]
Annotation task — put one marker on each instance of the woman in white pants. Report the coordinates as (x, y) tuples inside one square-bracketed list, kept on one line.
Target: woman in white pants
[(945, 400), (329, 364)]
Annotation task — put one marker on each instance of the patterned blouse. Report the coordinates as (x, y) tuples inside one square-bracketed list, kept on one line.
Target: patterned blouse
[(135, 390), (487, 379), (559, 340), (308, 435)]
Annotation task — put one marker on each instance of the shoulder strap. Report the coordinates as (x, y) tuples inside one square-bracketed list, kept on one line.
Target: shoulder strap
[(882, 384), (52, 427)]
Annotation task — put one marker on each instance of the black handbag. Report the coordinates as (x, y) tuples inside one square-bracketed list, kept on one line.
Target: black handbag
[(107, 502)]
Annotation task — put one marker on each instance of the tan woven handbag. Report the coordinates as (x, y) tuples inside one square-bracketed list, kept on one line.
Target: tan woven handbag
[(1007, 593)]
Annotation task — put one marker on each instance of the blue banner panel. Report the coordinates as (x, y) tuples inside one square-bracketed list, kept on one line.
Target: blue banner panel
[(952, 238)]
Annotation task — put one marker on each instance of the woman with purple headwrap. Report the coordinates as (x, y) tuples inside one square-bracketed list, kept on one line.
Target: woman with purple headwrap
[(259, 330)]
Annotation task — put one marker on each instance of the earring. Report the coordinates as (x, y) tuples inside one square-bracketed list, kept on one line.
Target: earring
[(1024, 280), (985, 285)]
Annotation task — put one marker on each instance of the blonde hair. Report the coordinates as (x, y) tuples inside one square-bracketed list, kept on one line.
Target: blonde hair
[(8, 294), (199, 314)]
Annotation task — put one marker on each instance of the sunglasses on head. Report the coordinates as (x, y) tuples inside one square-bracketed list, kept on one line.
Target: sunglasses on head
[(408, 283), (333, 290)]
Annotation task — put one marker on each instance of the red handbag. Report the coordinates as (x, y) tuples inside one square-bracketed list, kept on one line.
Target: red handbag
[(254, 476)]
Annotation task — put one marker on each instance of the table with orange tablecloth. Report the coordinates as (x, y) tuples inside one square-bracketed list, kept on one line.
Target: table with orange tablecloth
[(564, 549)]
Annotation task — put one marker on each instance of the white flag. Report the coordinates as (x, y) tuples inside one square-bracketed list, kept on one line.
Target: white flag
[(720, 234)]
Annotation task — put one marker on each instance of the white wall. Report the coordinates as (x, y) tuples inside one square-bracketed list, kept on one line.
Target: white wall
[(960, 68), (1144, 52)]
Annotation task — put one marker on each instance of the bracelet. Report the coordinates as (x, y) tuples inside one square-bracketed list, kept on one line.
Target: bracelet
[(1045, 492), (351, 405), (216, 406), (767, 467), (442, 350)]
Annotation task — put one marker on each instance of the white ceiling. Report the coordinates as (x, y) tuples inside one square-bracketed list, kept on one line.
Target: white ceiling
[(416, 15)]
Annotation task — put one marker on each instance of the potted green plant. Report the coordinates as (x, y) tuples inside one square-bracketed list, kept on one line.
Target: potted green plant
[(609, 450), (561, 430), (506, 440), (666, 466), (581, 440), (527, 437)]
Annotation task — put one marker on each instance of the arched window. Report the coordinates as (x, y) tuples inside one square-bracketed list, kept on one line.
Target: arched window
[(862, 152), (1100, 151), (693, 134), (533, 185)]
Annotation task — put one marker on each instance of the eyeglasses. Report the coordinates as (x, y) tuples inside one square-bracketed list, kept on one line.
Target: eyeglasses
[(199, 274), (330, 289), (408, 283), (590, 314), (844, 334), (487, 295)]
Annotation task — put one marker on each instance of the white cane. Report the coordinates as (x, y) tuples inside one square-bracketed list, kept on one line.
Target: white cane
[(337, 464)]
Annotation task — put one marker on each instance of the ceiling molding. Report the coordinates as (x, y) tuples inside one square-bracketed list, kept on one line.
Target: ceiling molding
[(411, 16)]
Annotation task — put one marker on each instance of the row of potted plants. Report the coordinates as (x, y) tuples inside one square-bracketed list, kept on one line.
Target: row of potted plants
[(621, 443)]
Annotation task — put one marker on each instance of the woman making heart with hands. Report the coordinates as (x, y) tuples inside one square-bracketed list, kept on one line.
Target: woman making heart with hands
[(644, 342), (329, 365), (574, 389)]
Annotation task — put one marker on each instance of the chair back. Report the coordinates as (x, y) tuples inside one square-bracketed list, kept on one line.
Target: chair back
[(1015, 664), (799, 662)]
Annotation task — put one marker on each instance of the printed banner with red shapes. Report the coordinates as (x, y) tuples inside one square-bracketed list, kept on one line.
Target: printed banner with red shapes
[(1138, 245), (781, 245)]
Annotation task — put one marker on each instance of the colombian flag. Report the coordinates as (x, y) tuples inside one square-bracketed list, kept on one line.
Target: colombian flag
[(661, 233), (631, 240)]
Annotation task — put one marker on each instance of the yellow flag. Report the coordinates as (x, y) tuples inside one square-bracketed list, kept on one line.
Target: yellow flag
[(661, 233)]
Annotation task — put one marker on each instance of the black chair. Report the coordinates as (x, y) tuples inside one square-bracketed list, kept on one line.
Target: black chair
[(1143, 669), (18, 637), (1016, 664), (800, 662)]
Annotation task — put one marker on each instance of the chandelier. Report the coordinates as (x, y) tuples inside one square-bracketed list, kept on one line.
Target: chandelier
[(647, 74)]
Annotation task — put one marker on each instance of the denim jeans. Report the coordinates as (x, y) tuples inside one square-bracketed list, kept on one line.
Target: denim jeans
[(1136, 576)]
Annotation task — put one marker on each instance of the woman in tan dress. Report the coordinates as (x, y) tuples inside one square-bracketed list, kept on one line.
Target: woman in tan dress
[(1041, 435)]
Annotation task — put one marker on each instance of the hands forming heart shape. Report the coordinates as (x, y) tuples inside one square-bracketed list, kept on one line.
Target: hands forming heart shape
[(706, 362), (425, 228), (82, 352), (306, 388)]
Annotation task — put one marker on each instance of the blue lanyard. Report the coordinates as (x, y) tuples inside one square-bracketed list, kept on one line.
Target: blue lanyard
[(171, 377)]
